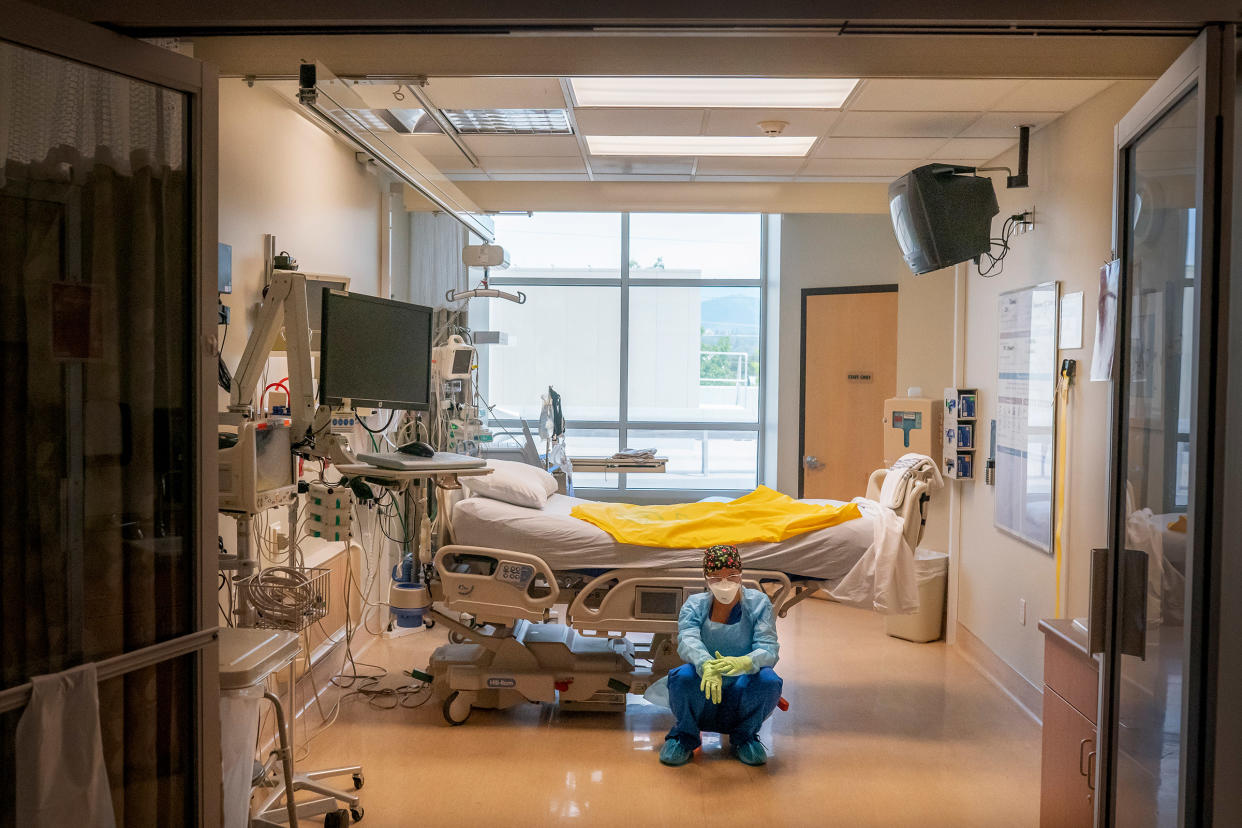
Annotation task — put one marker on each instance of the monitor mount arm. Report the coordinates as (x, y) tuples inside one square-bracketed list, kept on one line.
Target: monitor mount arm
[(284, 303), (1024, 152)]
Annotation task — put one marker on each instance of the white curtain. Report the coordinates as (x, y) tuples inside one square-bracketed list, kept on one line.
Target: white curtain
[(58, 112)]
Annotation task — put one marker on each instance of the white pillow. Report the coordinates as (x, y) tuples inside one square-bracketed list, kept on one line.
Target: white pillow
[(518, 483)]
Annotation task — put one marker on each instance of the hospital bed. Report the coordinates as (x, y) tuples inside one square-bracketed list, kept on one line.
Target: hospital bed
[(511, 574)]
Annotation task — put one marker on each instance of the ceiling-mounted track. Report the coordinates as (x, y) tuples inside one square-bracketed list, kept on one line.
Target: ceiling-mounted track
[(332, 102)]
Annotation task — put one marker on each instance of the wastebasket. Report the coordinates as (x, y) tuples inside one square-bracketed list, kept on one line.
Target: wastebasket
[(931, 571)]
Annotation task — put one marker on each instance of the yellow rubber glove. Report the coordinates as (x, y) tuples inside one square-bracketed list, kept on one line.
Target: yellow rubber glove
[(711, 684), (732, 665)]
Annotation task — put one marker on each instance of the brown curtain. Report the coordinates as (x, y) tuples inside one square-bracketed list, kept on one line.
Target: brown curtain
[(97, 555)]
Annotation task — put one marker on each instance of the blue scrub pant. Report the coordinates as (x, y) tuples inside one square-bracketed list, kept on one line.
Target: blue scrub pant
[(745, 701)]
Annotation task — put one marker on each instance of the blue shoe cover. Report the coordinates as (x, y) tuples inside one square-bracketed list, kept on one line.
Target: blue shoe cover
[(675, 753), (752, 753)]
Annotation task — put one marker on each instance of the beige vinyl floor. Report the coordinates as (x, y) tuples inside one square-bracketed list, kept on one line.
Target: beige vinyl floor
[(879, 732)]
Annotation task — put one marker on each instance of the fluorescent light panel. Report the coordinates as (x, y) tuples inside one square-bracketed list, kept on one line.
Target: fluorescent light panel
[(509, 121), (715, 93), (784, 146)]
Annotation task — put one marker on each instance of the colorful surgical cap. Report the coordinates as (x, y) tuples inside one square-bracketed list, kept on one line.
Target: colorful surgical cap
[(721, 557)]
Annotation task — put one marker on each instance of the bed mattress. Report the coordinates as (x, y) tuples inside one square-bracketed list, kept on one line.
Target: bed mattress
[(567, 543)]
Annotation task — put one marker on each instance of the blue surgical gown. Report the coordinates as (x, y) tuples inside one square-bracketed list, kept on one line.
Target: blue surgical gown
[(752, 634)]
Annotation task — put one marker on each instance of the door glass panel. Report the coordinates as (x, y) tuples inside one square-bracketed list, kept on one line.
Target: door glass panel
[(1158, 383), (97, 539)]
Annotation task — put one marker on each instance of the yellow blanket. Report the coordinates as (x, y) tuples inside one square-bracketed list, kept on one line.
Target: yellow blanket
[(763, 515)]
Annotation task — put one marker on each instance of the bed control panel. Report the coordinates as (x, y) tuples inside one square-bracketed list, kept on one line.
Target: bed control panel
[(515, 574)]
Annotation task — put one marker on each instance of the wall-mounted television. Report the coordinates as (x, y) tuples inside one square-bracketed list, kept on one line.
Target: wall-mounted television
[(942, 215)]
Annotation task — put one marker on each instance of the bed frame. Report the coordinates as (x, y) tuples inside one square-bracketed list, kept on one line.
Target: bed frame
[(508, 643)]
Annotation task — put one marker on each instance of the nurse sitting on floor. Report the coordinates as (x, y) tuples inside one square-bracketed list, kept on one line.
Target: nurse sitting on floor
[(727, 638)]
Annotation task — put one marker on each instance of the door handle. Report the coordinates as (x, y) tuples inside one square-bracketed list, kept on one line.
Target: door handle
[(1091, 771), (1132, 595), (1097, 611), (1082, 757), (812, 462), (1134, 603)]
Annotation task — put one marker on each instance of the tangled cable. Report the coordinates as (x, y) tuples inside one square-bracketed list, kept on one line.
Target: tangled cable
[(285, 597)]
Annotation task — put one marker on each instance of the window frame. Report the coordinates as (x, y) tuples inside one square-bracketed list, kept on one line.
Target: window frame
[(623, 424)]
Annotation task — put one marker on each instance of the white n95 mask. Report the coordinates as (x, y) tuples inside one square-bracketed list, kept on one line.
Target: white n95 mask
[(725, 591)]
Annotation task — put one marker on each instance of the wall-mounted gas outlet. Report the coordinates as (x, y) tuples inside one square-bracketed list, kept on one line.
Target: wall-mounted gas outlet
[(1022, 611)]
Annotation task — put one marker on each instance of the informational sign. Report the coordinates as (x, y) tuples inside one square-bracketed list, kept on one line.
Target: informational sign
[(1026, 413)]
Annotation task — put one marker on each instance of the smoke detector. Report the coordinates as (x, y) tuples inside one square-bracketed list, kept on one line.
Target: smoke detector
[(772, 128)]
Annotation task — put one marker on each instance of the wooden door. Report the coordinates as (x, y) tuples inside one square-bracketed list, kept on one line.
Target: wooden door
[(849, 368)]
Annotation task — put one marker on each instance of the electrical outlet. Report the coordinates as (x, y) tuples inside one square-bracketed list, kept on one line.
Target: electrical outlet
[(1022, 611)]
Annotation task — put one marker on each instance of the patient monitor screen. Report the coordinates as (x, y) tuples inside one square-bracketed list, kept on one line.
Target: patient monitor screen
[(376, 353)]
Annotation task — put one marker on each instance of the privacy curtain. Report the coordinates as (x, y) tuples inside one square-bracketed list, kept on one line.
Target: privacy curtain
[(96, 547)]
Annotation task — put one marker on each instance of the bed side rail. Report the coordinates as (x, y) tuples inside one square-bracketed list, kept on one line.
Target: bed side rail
[(649, 600), (496, 586)]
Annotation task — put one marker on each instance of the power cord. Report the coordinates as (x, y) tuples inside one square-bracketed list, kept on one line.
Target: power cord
[(996, 264)]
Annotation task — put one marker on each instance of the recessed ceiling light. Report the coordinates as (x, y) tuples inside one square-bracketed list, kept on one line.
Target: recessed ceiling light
[(509, 121), (788, 146), (406, 121), (723, 93)]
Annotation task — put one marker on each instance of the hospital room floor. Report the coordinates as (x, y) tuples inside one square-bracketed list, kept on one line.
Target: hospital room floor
[(879, 732)]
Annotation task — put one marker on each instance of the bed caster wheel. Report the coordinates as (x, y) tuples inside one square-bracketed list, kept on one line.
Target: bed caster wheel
[(457, 638), (356, 813), (456, 708), (359, 781), (336, 819)]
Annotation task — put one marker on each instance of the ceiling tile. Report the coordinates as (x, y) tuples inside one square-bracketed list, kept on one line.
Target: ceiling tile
[(932, 95), (539, 177), (1048, 95), (380, 95), (533, 164), (427, 144), (1005, 124), (496, 93), (903, 124), (451, 163), (858, 167), (497, 145), (975, 147), (653, 165), (639, 121), (877, 147), (815, 122), (748, 166)]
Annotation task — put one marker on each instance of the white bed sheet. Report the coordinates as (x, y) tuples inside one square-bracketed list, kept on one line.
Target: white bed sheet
[(569, 543)]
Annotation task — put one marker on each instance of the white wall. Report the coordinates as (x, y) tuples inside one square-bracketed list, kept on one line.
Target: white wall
[(281, 174), (831, 250), (1071, 174)]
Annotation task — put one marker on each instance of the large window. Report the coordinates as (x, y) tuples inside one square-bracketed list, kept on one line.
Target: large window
[(649, 326)]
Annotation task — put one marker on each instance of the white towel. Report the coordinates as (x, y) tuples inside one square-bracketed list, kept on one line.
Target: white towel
[(61, 777), (884, 577)]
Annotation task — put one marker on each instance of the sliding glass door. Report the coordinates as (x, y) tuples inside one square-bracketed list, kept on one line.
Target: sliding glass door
[(107, 251), (1156, 610)]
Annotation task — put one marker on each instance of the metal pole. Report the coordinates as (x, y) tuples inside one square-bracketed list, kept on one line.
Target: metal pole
[(247, 567)]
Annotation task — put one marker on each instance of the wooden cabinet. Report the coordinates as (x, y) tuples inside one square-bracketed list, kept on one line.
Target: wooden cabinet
[(1071, 685)]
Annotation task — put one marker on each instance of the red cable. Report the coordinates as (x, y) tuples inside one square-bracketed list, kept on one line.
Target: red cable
[(277, 384)]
